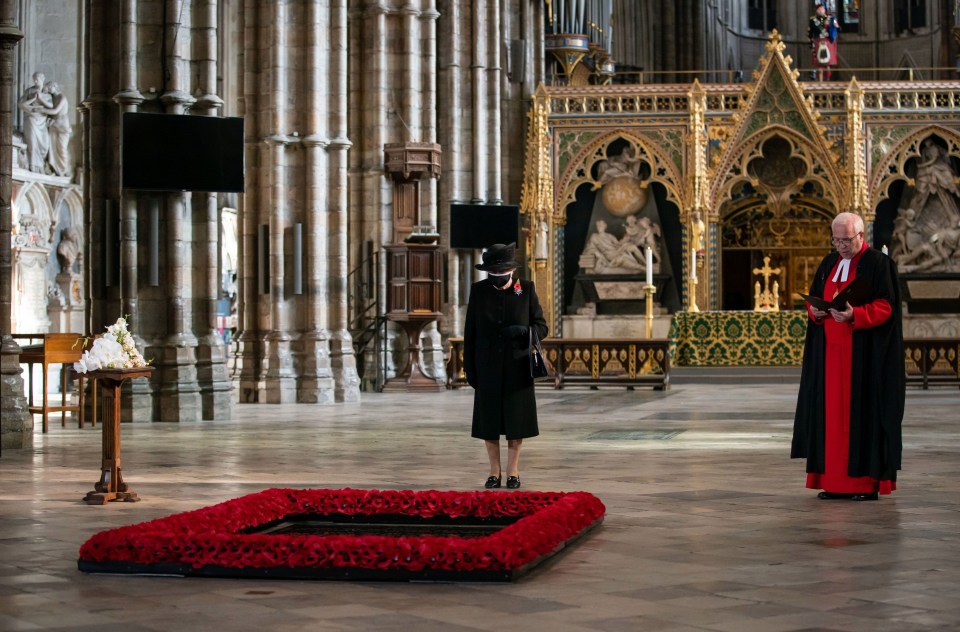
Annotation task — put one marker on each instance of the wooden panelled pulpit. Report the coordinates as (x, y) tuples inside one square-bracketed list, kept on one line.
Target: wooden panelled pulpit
[(414, 283)]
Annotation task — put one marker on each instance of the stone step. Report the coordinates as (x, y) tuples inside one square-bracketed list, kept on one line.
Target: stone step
[(735, 375)]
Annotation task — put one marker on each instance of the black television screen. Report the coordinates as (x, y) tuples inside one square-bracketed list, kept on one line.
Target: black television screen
[(174, 152), (482, 225)]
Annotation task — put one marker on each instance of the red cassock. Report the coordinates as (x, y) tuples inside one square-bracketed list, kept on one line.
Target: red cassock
[(837, 386)]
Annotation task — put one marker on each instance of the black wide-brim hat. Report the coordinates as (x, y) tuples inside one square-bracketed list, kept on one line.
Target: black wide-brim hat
[(498, 258)]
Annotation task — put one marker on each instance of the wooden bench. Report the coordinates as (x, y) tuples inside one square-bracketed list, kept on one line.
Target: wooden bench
[(62, 349), (591, 362)]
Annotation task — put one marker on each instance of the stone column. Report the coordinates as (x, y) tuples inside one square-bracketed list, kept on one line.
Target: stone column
[(16, 425), (494, 192), (668, 29), (371, 202), (343, 360), (279, 372), (216, 392), (101, 162), (316, 378), (250, 342), (451, 187), (432, 341), (137, 401), (479, 79), (176, 355)]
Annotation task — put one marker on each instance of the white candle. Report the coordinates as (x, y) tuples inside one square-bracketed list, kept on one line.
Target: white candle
[(649, 265), (693, 265)]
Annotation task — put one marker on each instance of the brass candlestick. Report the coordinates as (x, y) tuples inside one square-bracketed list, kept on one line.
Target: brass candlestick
[(693, 295)]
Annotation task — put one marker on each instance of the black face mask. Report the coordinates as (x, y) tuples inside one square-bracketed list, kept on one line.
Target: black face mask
[(500, 277)]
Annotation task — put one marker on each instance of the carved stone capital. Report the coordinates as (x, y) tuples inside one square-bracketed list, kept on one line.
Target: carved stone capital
[(177, 97), (340, 143), (10, 36), (208, 102), (129, 97), (280, 139), (315, 140), (96, 100)]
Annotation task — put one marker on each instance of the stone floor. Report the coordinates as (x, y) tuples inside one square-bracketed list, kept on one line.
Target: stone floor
[(708, 524)]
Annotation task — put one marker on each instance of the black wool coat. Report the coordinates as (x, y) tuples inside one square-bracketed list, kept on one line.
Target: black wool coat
[(496, 361), (877, 384)]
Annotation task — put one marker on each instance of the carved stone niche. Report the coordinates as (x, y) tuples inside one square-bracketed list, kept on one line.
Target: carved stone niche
[(406, 164)]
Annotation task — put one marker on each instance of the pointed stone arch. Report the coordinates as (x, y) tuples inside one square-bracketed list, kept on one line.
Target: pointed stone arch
[(579, 170), (893, 155), (775, 106), (33, 199), (818, 170)]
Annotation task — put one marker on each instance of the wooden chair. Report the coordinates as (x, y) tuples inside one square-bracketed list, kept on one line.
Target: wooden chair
[(62, 349)]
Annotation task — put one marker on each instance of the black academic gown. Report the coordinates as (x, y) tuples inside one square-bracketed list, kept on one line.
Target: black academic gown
[(497, 366), (877, 384)]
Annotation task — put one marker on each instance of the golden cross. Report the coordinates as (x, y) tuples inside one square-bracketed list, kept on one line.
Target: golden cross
[(767, 272)]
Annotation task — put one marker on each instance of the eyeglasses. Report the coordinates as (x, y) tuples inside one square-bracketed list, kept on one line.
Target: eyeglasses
[(844, 241)]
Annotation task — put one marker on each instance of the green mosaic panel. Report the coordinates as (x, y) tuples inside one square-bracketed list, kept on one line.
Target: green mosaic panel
[(569, 145)]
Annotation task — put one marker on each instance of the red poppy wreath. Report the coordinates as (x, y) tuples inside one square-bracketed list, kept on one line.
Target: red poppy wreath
[(353, 534)]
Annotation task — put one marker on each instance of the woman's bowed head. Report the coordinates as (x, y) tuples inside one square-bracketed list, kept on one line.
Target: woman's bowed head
[(498, 259)]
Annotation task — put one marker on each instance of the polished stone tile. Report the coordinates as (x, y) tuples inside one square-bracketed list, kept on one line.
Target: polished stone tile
[(708, 525)]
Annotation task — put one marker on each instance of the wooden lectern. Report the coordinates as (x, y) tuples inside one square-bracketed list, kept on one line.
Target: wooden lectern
[(414, 277), (111, 485)]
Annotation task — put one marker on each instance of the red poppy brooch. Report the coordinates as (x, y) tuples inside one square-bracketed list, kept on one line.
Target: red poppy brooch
[(517, 289)]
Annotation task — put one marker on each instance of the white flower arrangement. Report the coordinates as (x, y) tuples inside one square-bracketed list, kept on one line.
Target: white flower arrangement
[(113, 350)]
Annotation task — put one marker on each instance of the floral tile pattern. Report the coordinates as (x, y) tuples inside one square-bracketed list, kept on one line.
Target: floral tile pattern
[(738, 338)]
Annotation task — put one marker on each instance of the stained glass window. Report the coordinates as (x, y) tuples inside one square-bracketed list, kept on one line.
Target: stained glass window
[(851, 11)]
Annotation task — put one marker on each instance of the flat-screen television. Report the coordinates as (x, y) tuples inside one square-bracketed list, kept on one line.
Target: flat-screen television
[(179, 152), (482, 225)]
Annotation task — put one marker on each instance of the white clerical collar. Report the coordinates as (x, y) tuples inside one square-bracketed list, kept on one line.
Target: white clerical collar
[(842, 271)]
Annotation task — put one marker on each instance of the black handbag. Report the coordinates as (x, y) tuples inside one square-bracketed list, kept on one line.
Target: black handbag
[(538, 364)]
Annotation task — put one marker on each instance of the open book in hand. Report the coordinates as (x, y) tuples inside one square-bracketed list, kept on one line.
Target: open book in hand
[(857, 293)]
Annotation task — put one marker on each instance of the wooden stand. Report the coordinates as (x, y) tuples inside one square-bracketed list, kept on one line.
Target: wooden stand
[(412, 377), (57, 348), (111, 485)]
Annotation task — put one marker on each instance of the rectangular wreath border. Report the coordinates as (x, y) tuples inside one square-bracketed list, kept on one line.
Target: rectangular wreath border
[(216, 541)]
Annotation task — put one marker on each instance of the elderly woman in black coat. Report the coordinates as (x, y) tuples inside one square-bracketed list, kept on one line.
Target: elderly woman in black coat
[(496, 346)]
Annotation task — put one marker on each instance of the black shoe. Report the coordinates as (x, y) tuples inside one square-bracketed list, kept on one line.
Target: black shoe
[(493, 481), (513, 482), (870, 496), (833, 496)]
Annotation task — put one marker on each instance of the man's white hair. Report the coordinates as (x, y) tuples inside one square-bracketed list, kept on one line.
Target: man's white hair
[(846, 218)]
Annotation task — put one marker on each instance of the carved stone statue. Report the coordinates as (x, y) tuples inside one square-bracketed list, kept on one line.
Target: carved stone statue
[(935, 177), (937, 252), (68, 251), (541, 249), (696, 237), (60, 130), (926, 233), (605, 254), (625, 163), (644, 234), (34, 103)]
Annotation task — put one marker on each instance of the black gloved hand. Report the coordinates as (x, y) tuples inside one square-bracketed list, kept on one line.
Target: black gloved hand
[(513, 332)]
